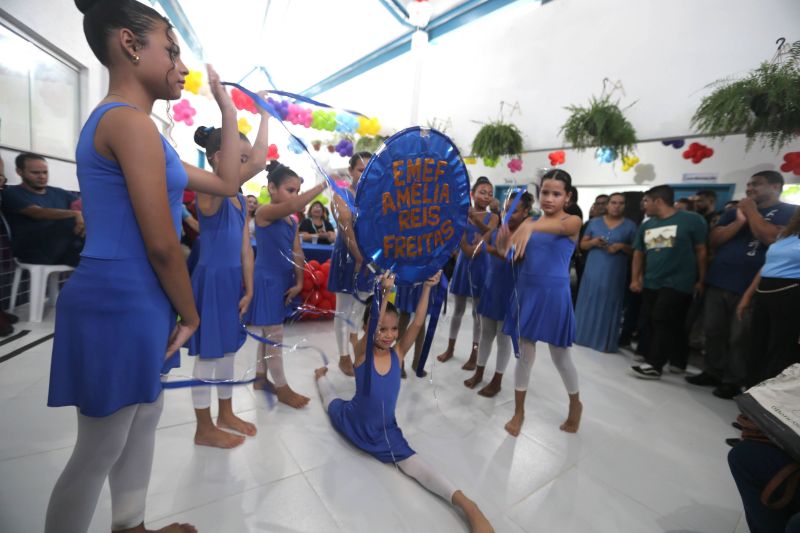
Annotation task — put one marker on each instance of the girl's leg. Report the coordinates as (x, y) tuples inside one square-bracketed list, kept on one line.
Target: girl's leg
[(476, 336), (207, 434), (415, 467), (344, 303), (226, 417), (503, 356), (100, 443), (562, 358), (275, 367), (522, 375), (325, 387), (455, 324), (488, 334)]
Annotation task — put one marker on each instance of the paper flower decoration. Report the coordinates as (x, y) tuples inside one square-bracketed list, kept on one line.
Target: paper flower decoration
[(791, 163), (193, 81), (675, 143), (489, 162), (470, 160), (295, 147), (272, 152), (605, 155), (697, 152), (183, 112), (244, 126), (344, 148), (629, 162), (242, 101), (559, 157), (515, 165)]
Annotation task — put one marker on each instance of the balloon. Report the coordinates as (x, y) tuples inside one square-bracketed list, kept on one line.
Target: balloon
[(413, 199), (280, 106), (295, 147), (272, 152), (605, 155), (470, 160), (323, 120), (346, 123), (244, 126), (628, 162), (343, 183), (264, 197), (368, 126), (321, 198), (242, 101), (675, 143), (345, 148), (183, 112), (515, 165), (490, 162), (697, 152), (193, 81), (559, 157), (791, 163)]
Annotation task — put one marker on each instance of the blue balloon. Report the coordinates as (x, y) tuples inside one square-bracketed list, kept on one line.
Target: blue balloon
[(413, 201), (295, 147), (605, 155)]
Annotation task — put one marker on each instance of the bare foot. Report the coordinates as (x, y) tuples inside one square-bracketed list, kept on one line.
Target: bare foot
[(346, 365), (286, 395), (216, 438), (515, 424), (573, 421), (475, 379), (477, 522), (472, 361), (444, 357), (491, 390), (321, 371), (231, 421), (172, 528), (263, 383)]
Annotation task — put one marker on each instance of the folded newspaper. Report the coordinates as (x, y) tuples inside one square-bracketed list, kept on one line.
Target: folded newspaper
[(774, 405)]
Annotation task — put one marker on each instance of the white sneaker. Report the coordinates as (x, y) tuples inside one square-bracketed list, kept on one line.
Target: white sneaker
[(638, 357), (675, 370)]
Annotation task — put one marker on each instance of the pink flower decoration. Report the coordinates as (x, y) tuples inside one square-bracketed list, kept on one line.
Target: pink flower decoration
[(183, 112), (515, 165)]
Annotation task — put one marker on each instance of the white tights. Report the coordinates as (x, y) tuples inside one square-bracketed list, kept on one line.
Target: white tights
[(413, 466), (118, 447), (348, 317), (489, 330), (562, 359), (271, 357), (217, 369), (458, 313)]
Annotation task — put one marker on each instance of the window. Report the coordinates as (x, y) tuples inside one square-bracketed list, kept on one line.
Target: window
[(40, 102)]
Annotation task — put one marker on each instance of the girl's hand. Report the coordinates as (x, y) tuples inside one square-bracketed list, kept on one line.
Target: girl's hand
[(261, 111), (433, 280), (519, 240), (387, 281), (179, 336), (244, 303), (744, 304), (220, 94), (292, 292)]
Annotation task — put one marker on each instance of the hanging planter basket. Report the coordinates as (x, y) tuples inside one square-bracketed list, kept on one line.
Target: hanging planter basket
[(497, 139), (602, 124), (765, 105), (369, 144)]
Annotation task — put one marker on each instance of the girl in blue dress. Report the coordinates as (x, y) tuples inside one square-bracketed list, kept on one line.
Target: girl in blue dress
[(368, 419), (470, 271), (541, 307), (607, 241), (222, 282), (116, 315), (493, 306), (278, 274), (349, 277)]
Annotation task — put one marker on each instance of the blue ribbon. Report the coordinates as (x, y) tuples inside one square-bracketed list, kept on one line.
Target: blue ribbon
[(311, 101), (437, 297), (369, 357), (513, 207)]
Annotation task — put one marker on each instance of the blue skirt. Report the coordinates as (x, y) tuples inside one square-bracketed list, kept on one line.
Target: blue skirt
[(386, 444), (469, 275), (113, 321), (342, 276), (495, 297), (407, 298), (217, 291), (541, 310), (268, 307)]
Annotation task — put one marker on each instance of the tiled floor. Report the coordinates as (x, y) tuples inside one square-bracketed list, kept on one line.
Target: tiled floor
[(650, 456)]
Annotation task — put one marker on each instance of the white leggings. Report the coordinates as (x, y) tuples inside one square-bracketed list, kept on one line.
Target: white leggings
[(458, 313), (217, 369), (562, 358), (413, 466), (271, 357), (118, 447), (489, 330), (348, 318)]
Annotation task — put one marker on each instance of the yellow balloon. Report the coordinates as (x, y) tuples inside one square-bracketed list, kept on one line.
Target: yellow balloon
[(470, 160), (321, 198), (629, 162), (244, 126), (193, 81)]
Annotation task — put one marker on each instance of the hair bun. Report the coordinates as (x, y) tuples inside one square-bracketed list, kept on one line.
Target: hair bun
[(85, 5), (201, 135), (273, 166)]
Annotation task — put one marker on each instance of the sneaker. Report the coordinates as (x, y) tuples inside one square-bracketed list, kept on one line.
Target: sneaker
[(639, 358), (645, 371), (675, 370), (727, 391), (703, 379)]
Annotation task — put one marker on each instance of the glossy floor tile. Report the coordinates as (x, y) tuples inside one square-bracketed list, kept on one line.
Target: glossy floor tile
[(650, 456)]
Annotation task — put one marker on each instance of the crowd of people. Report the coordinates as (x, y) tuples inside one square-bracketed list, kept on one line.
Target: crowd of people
[(723, 281)]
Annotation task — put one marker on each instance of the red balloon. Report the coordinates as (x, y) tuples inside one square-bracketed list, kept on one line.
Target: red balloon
[(314, 264), (325, 305), (314, 298)]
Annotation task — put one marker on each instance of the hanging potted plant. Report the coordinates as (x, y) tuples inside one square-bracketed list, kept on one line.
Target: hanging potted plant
[(369, 144), (497, 139), (602, 124), (765, 105)]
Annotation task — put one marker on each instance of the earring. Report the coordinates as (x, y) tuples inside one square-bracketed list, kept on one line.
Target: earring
[(135, 59)]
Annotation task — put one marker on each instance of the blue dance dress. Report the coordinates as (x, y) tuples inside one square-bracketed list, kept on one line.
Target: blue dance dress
[(541, 306), (470, 272), (113, 319), (497, 287), (217, 282), (599, 308), (368, 420), (342, 276), (274, 273)]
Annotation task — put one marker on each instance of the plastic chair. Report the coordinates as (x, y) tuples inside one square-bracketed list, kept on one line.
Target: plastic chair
[(40, 279)]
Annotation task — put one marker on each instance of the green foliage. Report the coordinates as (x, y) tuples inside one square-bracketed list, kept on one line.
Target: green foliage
[(602, 124), (764, 106), (369, 144), (497, 139)]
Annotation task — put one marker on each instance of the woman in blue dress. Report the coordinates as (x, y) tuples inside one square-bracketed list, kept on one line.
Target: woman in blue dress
[(541, 307), (368, 419), (349, 277), (607, 242), (493, 306), (470, 271), (116, 316), (278, 274), (222, 283)]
